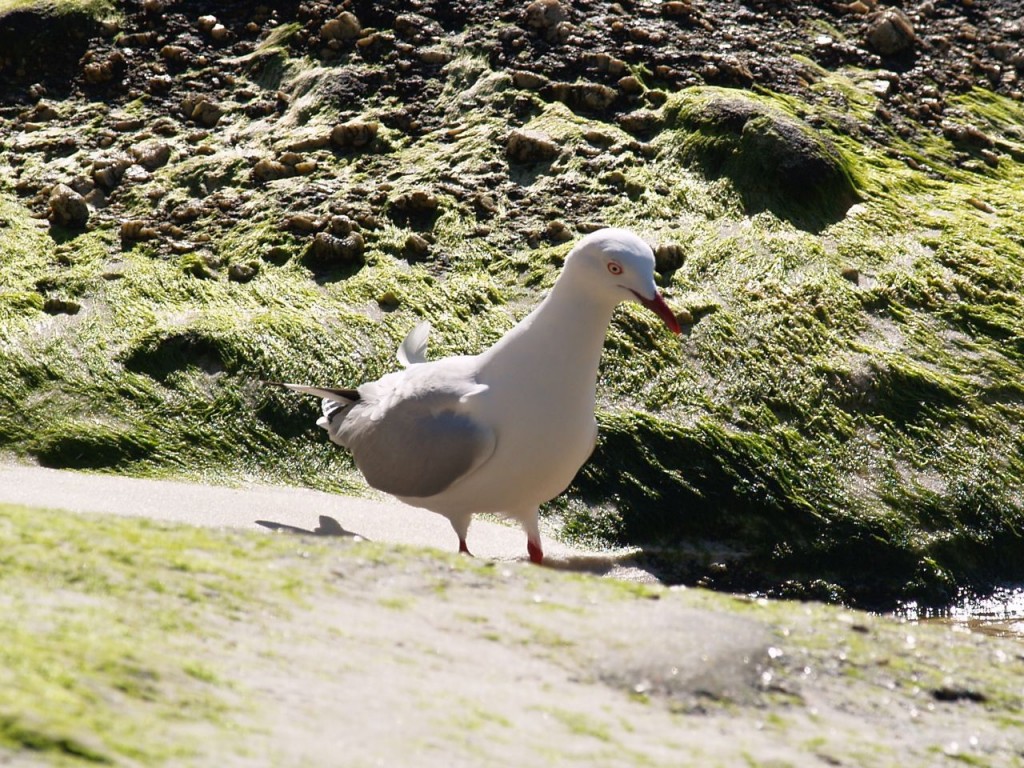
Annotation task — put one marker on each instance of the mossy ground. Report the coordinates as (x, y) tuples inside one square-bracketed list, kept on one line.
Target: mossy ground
[(842, 418), (130, 642)]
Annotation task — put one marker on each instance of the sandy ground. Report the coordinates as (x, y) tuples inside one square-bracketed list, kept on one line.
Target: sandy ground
[(296, 510)]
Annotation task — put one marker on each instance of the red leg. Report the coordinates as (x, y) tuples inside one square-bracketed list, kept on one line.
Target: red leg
[(463, 549), (536, 553)]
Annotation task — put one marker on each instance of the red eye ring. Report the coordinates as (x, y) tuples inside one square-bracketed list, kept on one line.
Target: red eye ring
[(614, 267)]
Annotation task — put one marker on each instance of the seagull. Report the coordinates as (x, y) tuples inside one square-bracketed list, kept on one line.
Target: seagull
[(506, 430)]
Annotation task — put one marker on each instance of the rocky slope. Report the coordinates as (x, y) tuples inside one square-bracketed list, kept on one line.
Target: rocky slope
[(198, 196)]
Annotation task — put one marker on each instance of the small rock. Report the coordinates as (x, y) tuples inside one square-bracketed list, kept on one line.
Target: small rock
[(329, 251), (67, 208), (151, 154), (340, 226), (302, 222), (176, 54), (642, 122), (243, 273), (134, 230), (631, 85), (669, 257), (135, 174), (529, 81), (557, 232), (850, 273), (220, 33), (676, 9), (355, 134), (270, 170), (544, 15), (418, 201), (61, 307), (526, 146), (206, 23), (188, 211), (591, 97), (416, 247), (890, 32), (345, 27), (201, 110), (435, 56)]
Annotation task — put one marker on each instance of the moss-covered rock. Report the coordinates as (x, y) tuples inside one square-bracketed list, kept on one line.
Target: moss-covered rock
[(775, 161)]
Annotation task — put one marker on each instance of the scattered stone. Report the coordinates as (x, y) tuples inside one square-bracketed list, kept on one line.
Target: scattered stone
[(243, 273), (201, 110), (55, 306), (327, 251), (176, 54), (417, 247), (302, 222), (340, 225), (435, 56), (67, 208), (270, 170), (850, 273), (187, 211), (642, 122), (345, 27), (529, 81), (527, 146), (981, 205), (545, 15), (418, 201), (151, 154), (206, 24), (631, 85), (890, 32), (355, 134), (557, 232), (108, 171), (135, 230), (775, 161), (135, 174), (668, 257), (98, 72), (605, 62), (589, 97)]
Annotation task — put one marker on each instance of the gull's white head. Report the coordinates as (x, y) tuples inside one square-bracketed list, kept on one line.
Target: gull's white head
[(618, 266)]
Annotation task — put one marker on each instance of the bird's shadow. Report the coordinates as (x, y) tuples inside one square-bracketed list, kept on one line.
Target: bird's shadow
[(598, 564), (328, 527)]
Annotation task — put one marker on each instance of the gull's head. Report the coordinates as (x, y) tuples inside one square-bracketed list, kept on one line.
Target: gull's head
[(619, 266)]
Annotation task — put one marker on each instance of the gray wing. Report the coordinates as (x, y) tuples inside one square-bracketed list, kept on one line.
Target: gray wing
[(414, 440)]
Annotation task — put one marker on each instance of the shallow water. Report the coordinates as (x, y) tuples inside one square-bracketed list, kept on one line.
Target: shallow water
[(1000, 613)]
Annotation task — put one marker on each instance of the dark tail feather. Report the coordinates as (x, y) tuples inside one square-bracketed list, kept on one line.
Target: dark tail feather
[(341, 395)]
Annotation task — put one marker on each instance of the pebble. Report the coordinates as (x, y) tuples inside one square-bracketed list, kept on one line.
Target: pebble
[(355, 134), (54, 306), (416, 247), (527, 146), (243, 273), (67, 208), (329, 251), (890, 32), (345, 27), (151, 154), (669, 257), (137, 229)]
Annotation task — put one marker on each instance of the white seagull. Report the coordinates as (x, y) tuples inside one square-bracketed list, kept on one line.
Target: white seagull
[(505, 430)]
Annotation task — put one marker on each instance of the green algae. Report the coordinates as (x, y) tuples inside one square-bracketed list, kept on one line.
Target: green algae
[(847, 392)]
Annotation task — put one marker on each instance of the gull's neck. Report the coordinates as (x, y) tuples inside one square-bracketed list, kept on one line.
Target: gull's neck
[(559, 343)]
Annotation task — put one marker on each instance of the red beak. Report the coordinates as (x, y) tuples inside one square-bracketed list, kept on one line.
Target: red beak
[(658, 306)]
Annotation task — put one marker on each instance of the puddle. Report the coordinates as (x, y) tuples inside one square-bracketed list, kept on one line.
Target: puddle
[(1000, 613)]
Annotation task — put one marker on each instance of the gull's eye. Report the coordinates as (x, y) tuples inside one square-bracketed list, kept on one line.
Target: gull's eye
[(614, 267)]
